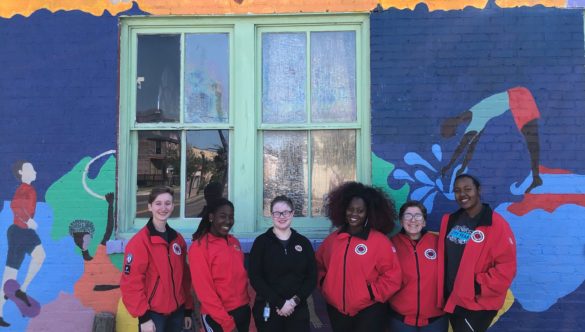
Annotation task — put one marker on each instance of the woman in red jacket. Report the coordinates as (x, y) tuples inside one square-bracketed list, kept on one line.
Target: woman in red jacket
[(220, 281), (414, 306), (358, 270), (155, 284), (477, 259)]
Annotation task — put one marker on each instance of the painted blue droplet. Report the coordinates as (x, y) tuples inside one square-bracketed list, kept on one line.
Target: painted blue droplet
[(419, 193), (413, 158), (400, 174), (437, 152), (423, 177)]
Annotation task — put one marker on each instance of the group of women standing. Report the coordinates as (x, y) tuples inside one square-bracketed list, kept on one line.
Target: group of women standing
[(415, 281)]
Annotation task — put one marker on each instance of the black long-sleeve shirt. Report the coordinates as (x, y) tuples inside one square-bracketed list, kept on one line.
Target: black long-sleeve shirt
[(279, 272)]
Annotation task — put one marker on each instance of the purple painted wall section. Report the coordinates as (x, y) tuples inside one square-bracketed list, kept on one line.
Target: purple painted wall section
[(428, 67)]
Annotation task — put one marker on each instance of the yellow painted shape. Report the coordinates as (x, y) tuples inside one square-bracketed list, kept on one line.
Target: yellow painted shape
[(9, 8), (125, 322)]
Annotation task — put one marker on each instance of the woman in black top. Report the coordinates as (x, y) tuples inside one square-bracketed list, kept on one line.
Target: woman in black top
[(282, 272)]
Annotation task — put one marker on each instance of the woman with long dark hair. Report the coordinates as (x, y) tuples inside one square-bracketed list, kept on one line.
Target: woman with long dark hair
[(283, 273), (477, 259), (219, 278), (358, 270)]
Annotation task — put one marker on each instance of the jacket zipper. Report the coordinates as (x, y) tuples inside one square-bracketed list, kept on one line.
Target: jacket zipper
[(344, 265), (172, 276), (153, 290), (417, 284)]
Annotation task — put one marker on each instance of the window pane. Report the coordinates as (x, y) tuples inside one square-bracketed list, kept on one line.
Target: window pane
[(284, 77), (333, 75), (285, 168), (207, 87), (157, 81), (159, 163), (207, 169), (333, 162)]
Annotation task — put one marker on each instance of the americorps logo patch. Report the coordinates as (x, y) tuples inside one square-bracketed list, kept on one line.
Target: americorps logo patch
[(176, 249), (431, 253), (361, 249), (477, 236)]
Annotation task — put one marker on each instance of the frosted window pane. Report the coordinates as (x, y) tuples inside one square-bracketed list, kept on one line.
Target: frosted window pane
[(207, 169), (159, 164), (285, 169), (207, 78), (157, 78), (284, 77), (333, 76), (333, 162)]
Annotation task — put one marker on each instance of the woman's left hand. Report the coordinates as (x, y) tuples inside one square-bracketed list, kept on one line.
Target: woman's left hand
[(287, 309), (188, 323)]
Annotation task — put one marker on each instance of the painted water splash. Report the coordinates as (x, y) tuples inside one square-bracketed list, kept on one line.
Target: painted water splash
[(426, 182)]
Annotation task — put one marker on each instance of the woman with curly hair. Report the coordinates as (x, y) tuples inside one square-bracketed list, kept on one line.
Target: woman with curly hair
[(358, 270)]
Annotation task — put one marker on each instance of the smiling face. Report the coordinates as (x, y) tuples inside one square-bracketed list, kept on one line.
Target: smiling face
[(280, 221), (356, 214), (467, 195), (161, 207), (411, 225), (222, 221)]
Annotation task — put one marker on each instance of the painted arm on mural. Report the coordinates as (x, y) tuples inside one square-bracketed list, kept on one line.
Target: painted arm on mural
[(496, 280), (23, 206), (469, 140)]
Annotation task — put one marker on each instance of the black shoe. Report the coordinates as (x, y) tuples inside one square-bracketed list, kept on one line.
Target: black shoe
[(3, 323), (22, 295)]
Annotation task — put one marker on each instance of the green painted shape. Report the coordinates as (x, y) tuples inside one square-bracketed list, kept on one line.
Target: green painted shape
[(381, 170), (117, 260), (70, 201)]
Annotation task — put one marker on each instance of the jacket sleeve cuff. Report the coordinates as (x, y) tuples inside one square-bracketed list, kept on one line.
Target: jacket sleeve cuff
[(144, 318)]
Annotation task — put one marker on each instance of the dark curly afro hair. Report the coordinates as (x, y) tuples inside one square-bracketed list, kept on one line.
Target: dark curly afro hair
[(381, 212)]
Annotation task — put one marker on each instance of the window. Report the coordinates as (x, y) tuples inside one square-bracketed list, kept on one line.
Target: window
[(245, 107)]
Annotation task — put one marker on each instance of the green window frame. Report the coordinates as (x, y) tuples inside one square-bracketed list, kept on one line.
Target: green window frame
[(245, 125)]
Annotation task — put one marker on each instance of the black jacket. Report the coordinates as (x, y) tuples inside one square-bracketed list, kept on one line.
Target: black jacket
[(278, 273)]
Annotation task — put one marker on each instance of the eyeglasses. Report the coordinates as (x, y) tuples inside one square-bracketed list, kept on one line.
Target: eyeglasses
[(285, 214), (410, 216)]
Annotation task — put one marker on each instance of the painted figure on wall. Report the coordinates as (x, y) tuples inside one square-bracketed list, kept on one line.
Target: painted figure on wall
[(520, 102), (22, 236)]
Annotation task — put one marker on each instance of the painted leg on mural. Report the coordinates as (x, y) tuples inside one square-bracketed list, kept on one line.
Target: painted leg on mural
[(530, 132), (37, 258)]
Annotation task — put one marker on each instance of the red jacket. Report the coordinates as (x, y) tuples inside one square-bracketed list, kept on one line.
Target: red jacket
[(356, 271), (219, 277), (155, 276), (489, 259), (417, 299)]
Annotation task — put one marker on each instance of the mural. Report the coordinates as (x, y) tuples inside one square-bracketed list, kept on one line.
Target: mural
[(479, 96), (477, 86)]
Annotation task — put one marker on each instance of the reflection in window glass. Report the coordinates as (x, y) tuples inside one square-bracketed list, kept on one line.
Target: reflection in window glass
[(333, 162), (207, 78), (158, 167), (285, 169), (333, 76), (207, 169), (157, 78), (284, 77)]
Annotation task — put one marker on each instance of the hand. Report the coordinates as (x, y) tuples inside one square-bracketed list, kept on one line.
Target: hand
[(110, 198), (32, 224), (188, 323), (148, 326), (287, 309)]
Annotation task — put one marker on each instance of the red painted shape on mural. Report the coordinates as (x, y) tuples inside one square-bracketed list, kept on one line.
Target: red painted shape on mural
[(546, 170), (99, 271), (547, 202)]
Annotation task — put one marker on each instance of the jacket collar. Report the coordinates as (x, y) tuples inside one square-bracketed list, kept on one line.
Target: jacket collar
[(362, 235), (153, 232), (271, 234), (485, 216)]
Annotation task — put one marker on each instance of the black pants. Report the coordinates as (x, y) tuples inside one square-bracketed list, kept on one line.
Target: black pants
[(463, 320), (241, 316), (299, 321), (371, 319)]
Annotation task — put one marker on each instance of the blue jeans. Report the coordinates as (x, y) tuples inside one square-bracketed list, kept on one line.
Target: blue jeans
[(168, 323), (439, 325)]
